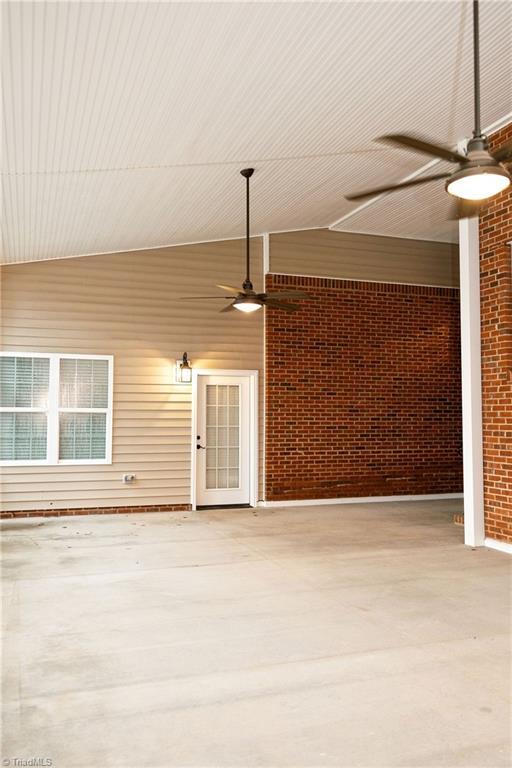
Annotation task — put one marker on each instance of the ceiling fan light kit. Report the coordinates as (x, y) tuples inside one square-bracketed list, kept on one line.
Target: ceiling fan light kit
[(478, 182), (247, 304)]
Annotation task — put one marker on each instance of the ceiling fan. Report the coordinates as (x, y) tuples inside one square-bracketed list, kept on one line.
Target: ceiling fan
[(479, 175), (246, 299)]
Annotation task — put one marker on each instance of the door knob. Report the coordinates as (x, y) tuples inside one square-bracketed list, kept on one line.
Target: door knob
[(201, 446)]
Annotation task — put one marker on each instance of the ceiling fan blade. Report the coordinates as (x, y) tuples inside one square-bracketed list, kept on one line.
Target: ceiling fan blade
[(403, 140), (194, 298), (466, 209), (392, 187), (228, 308), (504, 155), (230, 288), (286, 295), (274, 304)]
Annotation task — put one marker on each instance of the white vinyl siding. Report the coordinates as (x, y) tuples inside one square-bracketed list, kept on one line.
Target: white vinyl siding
[(129, 305), (55, 409), (355, 256)]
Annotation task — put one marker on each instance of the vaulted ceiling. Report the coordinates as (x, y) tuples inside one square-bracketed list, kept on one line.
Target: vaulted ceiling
[(126, 123)]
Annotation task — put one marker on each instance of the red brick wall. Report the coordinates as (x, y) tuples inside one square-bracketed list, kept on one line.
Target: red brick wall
[(363, 393), (496, 309)]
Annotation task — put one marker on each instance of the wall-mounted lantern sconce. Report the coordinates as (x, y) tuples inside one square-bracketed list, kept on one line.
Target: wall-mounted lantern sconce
[(183, 374)]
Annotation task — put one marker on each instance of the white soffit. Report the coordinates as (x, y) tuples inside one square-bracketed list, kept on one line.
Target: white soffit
[(125, 123)]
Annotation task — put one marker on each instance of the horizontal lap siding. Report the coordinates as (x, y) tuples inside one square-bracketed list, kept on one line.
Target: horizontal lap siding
[(353, 256), (128, 305)]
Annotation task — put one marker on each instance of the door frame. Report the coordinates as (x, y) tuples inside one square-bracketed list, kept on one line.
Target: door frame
[(253, 428)]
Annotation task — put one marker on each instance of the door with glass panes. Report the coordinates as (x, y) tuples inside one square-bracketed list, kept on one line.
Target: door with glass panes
[(222, 440)]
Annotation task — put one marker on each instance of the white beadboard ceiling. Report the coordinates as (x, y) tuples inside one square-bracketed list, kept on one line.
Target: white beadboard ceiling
[(125, 123)]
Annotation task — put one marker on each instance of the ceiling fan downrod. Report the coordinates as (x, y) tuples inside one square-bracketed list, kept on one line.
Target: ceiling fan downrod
[(477, 131), (247, 285)]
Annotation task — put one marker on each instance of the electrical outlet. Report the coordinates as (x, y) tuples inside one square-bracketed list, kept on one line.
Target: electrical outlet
[(129, 478)]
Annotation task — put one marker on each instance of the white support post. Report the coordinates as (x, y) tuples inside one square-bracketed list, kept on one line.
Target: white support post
[(469, 254), (266, 254), (266, 270)]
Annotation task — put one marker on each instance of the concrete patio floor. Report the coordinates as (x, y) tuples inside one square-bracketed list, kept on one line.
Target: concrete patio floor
[(343, 635)]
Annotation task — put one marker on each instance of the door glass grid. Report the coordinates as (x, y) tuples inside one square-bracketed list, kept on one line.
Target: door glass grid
[(222, 436)]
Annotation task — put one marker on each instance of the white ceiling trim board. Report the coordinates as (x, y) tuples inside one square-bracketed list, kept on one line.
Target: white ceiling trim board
[(129, 250), (505, 120), (168, 245), (254, 236), (498, 124), (386, 234), (382, 195)]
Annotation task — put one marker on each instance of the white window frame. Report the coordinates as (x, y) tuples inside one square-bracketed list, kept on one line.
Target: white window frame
[(54, 410)]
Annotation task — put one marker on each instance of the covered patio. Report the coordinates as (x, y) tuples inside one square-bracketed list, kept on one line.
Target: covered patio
[(333, 635)]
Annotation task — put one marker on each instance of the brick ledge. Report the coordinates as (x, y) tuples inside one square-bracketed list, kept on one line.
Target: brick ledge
[(94, 511)]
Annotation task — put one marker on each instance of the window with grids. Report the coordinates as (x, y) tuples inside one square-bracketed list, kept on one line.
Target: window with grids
[(55, 409), (24, 390), (83, 409), (222, 436)]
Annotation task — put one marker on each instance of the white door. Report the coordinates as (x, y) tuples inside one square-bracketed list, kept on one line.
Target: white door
[(223, 440)]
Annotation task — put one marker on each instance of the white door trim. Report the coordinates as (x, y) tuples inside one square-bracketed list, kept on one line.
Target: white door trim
[(253, 428)]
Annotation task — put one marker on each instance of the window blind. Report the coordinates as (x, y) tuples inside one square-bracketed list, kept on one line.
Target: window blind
[(83, 385), (55, 408), (23, 436), (24, 384), (82, 436)]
